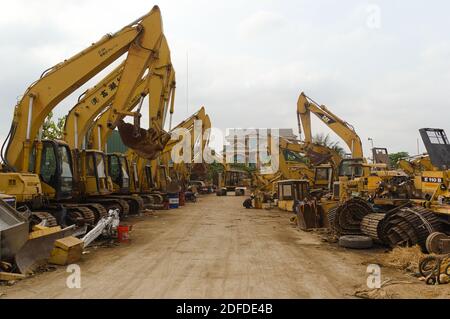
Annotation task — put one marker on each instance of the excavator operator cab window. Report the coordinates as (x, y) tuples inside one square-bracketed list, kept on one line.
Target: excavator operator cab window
[(351, 168), (32, 163), (48, 165), (118, 170), (90, 164), (125, 175), (323, 174), (56, 168), (290, 156), (293, 190), (114, 168), (66, 169), (286, 192), (101, 168)]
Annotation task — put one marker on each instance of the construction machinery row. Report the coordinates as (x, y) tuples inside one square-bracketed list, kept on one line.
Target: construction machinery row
[(74, 182), (405, 206)]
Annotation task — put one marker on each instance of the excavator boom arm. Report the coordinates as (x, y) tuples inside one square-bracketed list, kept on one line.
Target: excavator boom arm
[(345, 131), (63, 79)]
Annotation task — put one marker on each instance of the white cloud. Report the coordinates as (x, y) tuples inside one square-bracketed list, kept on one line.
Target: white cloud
[(260, 23)]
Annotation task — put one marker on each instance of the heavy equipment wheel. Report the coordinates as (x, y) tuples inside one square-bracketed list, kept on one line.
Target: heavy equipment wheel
[(434, 268), (99, 211), (39, 217), (157, 199), (75, 218), (356, 242), (434, 243), (88, 215)]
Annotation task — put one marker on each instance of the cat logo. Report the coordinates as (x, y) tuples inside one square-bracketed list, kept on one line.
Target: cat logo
[(325, 118)]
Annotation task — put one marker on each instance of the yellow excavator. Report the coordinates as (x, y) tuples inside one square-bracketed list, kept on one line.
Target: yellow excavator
[(49, 187), (180, 172), (159, 83), (356, 176), (303, 160), (298, 160)]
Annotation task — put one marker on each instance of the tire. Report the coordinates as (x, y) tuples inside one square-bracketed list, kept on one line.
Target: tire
[(433, 243), (356, 242)]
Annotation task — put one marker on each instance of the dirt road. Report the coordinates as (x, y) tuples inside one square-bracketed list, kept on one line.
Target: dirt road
[(217, 249)]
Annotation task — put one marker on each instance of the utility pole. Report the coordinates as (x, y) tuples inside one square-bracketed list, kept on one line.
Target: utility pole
[(187, 82), (371, 141)]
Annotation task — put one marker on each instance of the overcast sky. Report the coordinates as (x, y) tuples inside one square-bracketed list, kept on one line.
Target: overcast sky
[(383, 66)]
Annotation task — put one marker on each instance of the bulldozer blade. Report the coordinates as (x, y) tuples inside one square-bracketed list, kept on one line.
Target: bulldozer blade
[(147, 144), (37, 251)]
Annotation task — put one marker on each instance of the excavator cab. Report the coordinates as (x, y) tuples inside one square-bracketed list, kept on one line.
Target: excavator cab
[(119, 172), (94, 173), (323, 176), (351, 168), (381, 156), (55, 168), (290, 192)]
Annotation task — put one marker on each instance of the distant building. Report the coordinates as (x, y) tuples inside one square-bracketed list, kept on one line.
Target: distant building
[(243, 143)]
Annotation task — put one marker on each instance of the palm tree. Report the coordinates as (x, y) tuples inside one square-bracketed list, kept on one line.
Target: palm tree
[(325, 140)]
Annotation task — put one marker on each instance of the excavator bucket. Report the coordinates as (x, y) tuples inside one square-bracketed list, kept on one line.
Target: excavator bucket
[(37, 251), (147, 144), (13, 231)]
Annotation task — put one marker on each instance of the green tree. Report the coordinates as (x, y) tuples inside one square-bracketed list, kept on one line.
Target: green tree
[(395, 157), (243, 167), (52, 130), (325, 140), (213, 171)]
